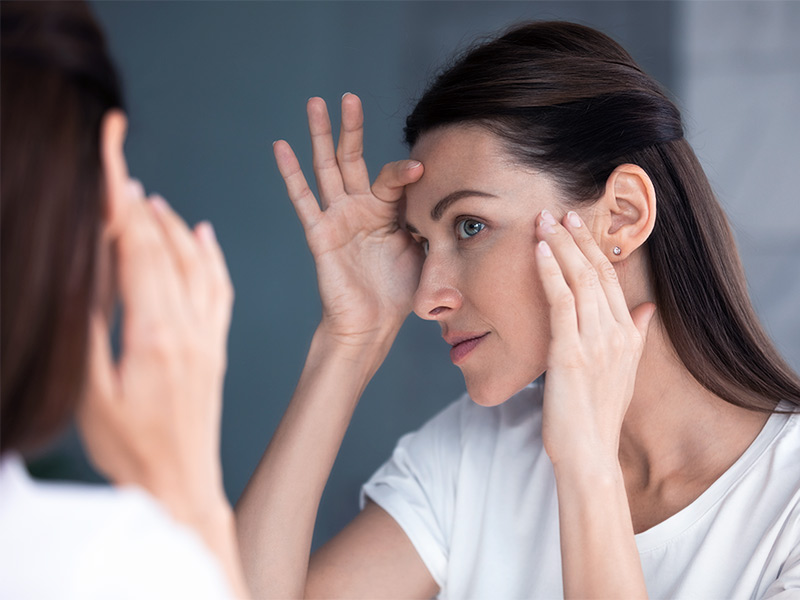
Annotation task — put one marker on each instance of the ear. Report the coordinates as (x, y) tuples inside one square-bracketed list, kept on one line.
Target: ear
[(115, 169), (626, 212)]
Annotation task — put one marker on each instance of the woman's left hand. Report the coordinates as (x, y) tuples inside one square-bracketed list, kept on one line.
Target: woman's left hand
[(595, 346), (152, 417)]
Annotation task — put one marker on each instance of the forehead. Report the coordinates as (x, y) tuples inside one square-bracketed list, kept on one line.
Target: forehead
[(466, 152), (468, 157)]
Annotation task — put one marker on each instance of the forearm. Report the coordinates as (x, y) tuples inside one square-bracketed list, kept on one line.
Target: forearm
[(598, 549), (277, 511)]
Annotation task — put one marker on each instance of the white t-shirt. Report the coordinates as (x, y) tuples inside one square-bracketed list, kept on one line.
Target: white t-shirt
[(76, 541), (475, 492)]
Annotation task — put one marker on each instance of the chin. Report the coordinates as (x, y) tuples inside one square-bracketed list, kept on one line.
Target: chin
[(493, 391)]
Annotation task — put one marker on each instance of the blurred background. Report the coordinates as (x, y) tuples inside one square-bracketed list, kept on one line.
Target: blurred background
[(210, 86)]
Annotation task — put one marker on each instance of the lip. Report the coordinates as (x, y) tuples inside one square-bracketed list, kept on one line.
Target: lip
[(463, 344)]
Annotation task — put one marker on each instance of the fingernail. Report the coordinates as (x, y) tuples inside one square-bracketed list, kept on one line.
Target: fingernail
[(546, 222), (573, 218), (544, 248), (345, 94), (159, 203), (206, 232), (413, 164), (548, 218)]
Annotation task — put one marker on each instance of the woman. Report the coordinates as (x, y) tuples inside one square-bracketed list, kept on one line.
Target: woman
[(78, 236), (553, 220)]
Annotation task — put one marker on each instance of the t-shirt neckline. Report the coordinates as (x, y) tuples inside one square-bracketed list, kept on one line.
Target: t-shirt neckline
[(683, 519)]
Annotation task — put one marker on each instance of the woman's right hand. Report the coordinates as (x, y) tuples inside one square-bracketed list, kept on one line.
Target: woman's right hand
[(368, 266)]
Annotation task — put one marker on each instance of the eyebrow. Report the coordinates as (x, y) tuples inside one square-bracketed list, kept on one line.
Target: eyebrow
[(443, 204)]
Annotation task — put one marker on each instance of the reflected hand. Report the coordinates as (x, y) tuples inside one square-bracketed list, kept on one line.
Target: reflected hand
[(153, 417), (367, 265)]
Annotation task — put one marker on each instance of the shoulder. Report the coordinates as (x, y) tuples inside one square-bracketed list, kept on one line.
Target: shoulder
[(97, 541)]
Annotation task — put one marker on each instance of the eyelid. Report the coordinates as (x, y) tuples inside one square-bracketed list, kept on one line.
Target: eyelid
[(461, 219)]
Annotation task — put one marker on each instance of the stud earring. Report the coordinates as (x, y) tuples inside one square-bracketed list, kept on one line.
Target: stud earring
[(617, 250)]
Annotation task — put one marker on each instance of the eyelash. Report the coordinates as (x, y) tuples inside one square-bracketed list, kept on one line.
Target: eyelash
[(458, 226)]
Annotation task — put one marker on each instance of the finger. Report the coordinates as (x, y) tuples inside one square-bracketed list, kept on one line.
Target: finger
[(394, 177), (184, 248), (303, 200), (578, 272), (221, 288), (607, 274), (101, 374), (350, 151), (150, 288), (101, 406), (642, 316), (563, 317), (326, 167)]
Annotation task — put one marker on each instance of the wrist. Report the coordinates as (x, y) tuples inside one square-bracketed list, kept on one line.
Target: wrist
[(367, 347), (589, 473)]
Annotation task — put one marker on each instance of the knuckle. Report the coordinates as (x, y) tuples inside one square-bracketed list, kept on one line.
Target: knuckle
[(607, 272), (328, 162), (349, 156), (617, 341), (564, 301), (588, 278)]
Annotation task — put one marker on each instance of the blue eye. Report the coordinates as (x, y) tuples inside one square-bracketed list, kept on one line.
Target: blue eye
[(424, 244), (467, 228)]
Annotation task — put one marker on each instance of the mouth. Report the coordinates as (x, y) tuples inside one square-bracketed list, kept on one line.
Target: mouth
[(463, 345)]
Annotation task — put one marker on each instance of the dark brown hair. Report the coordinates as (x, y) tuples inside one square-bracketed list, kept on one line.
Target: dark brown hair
[(57, 83), (569, 101)]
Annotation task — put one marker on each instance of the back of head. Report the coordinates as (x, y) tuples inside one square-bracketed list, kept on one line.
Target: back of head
[(569, 101), (57, 83)]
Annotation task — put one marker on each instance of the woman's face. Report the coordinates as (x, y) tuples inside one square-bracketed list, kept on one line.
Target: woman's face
[(474, 211)]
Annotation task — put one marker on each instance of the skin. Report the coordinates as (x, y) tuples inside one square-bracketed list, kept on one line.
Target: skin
[(630, 446), (152, 417), (484, 284)]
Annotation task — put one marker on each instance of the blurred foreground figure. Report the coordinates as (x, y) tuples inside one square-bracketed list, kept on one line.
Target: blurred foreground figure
[(78, 239)]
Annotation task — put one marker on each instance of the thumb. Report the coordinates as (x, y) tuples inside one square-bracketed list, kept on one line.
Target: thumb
[(393, 177), (95, 416), (642, 315), (101, 372)]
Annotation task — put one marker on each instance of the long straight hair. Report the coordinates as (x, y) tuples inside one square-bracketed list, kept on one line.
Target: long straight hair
[(569, 101), (57, 83)]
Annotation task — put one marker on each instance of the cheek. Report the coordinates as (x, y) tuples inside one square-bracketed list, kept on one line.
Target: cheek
[(518, 311), (517, 294)]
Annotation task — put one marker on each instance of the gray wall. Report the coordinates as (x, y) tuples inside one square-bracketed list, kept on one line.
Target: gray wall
[(211, 85), (739, 81)]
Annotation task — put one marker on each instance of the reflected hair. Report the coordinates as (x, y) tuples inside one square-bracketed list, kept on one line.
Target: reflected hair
[(569, 101), (57, 82)]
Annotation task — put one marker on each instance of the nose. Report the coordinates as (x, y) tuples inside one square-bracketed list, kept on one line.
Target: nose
[(437, 295)]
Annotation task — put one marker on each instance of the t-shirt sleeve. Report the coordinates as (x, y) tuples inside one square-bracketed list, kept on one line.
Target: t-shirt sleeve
[(787, 586), (416, 486)]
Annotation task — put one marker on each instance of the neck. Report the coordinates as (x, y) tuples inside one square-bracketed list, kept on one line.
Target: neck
[(675, 428)]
